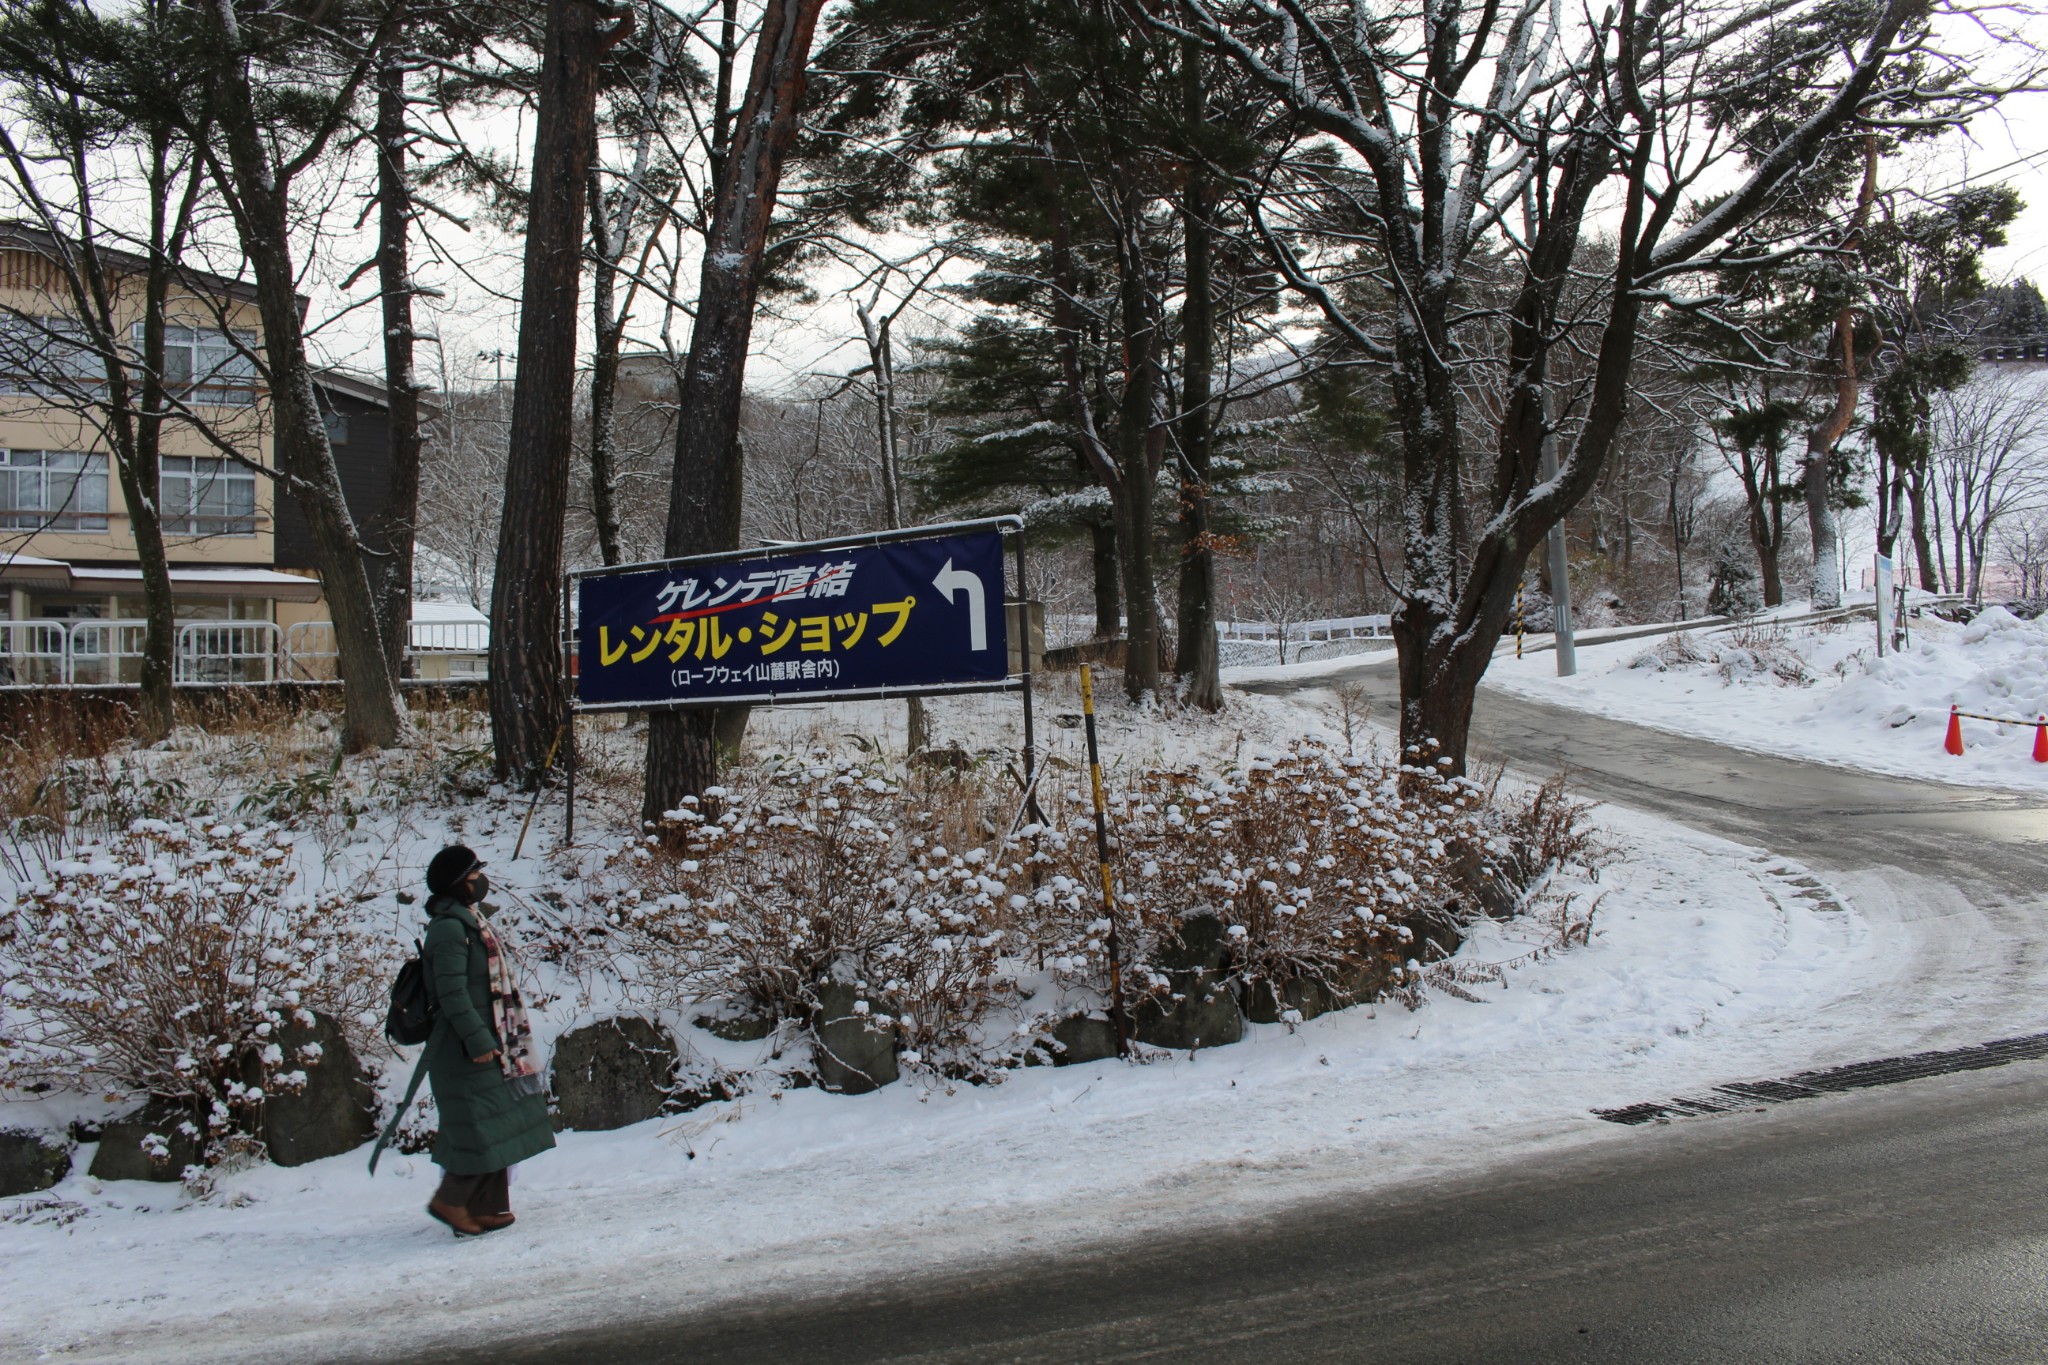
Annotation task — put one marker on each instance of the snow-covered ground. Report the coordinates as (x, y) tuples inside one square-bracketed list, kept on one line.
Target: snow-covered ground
[(1707, 961), (1821, 692)]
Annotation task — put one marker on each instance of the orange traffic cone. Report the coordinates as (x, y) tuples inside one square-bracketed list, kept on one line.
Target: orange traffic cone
[(1954, 743), (2041, 740)]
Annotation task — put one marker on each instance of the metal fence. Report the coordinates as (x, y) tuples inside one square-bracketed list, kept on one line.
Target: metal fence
[(1306, 632), (108, 653)]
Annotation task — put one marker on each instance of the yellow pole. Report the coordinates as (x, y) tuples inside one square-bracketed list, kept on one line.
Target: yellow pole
[(1116, 966), (539, 787)]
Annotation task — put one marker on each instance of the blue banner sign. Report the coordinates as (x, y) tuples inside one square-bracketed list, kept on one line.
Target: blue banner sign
[(797, 625)]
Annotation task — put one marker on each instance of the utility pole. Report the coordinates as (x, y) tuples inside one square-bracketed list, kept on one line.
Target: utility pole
[(1560, 581)]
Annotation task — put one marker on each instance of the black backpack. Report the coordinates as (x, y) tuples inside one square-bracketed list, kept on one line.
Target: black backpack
[(411, 1016)]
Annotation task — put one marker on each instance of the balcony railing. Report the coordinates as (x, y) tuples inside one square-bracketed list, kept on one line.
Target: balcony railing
[(108, 653)]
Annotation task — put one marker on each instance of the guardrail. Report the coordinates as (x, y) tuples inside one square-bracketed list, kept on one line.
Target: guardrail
[(1310, 632), (108, 653)]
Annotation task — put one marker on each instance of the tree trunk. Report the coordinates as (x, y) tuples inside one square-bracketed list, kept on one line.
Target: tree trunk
[(1135, 461), (882, 365), (373, 714), (1768, 572), (1923, 548), (610, 330), (141, 474), (390, 534), (610, 235), (704, 500), (529, 697), (1826, 583), (1821, 441), (1197, 662), (1108, 583)]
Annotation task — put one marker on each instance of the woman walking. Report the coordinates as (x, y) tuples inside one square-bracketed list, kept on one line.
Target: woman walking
[(480, 1058)]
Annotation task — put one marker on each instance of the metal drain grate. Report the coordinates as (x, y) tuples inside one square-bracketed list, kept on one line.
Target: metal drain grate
[(1835, 1080)]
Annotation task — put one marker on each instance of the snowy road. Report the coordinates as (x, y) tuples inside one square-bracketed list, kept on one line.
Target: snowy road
[(1962, 872), (1896, 1224), (1899, 1225)]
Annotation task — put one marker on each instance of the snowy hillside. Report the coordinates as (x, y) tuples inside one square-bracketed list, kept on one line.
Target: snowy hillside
[(1821, 692)]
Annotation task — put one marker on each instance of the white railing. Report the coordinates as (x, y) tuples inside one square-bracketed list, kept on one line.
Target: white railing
[(34, 654), (108, 653), (1310, 632), (310, 652), (224, 652)]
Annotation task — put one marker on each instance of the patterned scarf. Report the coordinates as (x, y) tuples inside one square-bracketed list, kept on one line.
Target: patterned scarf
[(508, 1013)]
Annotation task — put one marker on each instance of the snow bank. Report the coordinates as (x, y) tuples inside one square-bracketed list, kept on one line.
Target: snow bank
[(1850, 708)]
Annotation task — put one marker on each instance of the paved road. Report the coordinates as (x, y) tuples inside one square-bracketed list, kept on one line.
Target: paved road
[(1904, 1224), (1901, 1225)]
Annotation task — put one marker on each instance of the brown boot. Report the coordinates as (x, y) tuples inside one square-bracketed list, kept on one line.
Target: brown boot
[(456, 1217), (491, 1222)]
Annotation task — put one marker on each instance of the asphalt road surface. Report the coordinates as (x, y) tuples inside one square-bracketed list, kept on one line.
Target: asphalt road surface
[(1899, 1224)]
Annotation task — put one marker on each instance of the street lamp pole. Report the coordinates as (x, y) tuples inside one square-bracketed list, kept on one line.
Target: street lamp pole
[(1560, 568)]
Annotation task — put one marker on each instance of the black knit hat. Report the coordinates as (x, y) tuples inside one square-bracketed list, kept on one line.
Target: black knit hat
[(450, 866)]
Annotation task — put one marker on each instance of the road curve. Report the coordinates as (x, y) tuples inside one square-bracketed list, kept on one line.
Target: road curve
[(1904, 1224)]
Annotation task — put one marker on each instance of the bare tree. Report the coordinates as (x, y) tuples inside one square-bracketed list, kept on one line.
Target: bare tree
[(1492, 132), (277, 94), (98, 351), (1990, 464)]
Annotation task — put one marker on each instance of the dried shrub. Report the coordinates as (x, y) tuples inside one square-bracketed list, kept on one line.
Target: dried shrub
[(1322, 867), (1524, 840), (1676, 650), (1335, 874), (169, 960), (1763, 651), (88, 798), (821, 869), (1755, 650)]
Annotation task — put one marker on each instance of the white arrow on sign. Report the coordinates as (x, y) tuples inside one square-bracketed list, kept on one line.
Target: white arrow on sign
[(977, 601)]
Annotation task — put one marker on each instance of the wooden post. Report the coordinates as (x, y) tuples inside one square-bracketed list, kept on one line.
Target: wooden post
[(1030, 737)]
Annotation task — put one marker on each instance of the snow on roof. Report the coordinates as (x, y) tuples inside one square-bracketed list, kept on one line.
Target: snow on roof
[(446, 612)]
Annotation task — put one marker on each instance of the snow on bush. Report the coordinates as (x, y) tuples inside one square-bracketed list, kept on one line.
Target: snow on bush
[(171, 959), (1326, 868), (1764, 652), (820, 867)]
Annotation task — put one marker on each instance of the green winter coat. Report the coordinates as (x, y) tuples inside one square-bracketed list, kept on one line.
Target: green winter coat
[(485, 1124)]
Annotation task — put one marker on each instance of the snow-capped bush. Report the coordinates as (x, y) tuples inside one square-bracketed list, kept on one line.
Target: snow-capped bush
[(1322, 867), (1327, 871), (1764, 653), (822, 867), (172, 959)]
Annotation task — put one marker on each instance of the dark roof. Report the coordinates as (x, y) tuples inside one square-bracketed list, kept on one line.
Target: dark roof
[(19, 236), (362, 387)]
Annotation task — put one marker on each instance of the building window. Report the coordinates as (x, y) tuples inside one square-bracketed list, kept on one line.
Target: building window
[(50, 357), (206, 365), (206, 497), (52, 490)]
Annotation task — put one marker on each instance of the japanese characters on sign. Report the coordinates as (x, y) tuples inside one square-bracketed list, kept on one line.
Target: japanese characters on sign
[(847, 620)]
